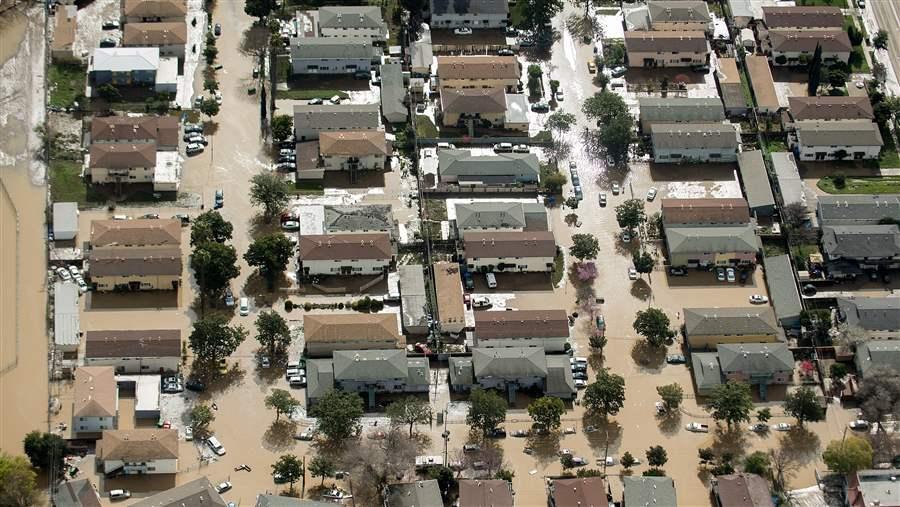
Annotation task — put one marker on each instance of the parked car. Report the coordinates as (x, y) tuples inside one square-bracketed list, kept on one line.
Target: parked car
[(602, 199), (720, 274), (729, 273), (63, 274), (503, 147), (579, 194), (759, 427), (580, 384), (229, 297), (306, 435), (150, 216), (335, 99), (697, 427), (82, 286), (559, 96), (219, 199), (290, 225), (579, 375), (660, 408), (217, 31), (759, 299), (677, 271), (216, 446), (189, 434), (196, 139), (244, 307), (193, 148), (497, 433), (521, 148), (481, 302), (809, 290), (592, 67), (185, 219), (297, 381), (781, 427), (676, 359), (108, 42), (491, 280), (462, 31), (632, 273), (520, 433), (626, 236), (193, 128), (618, 71), (859, 424), (578, 461), (468, 281), (110, 24), (616, 188), (540, 107), (192, 384), (505, 52), (471, 448), (651, 194), (119, 494), (316, 102), (223, 487), (73, 270)]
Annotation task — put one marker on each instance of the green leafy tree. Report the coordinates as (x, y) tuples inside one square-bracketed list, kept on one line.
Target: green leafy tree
[(559, 121), (537, 15), (45, 450), (546, 412), (553, 183), (838, 370), (210, 84), (606, 396), (322, 466), (763, 415), (837, 78), (757, 463), (210, 226), (814, 72), (282, 127), (109, 92), (707, 455), (554, 86), (270, 255), (654, 472), (630, 214), (603, 106), (731, 403), (657, 456), (445, 477), (848, 455), (272, 332), (643, 262), (853, 33), (628, 460), (410, 411), (804, 406), (339, 413), (288, 469), (214, 266), (259, 8), (653, 324), (209, 107), (617, 136), (212, 339), (505, 475), (584, 246), (18, 482), (201, 417), (672, 395), (269, 190), (210, 53), (597, 341), (282, 402), (880, 40), (486, 410)]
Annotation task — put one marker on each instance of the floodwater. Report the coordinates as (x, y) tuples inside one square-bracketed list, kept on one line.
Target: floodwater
[(23, 284)]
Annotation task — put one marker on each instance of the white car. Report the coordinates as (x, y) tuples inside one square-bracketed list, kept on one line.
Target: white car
[(632, 274), (290, 225), (781, 427), (193, 148), (580, 384), (189, 434), (697, 427), (626, 236), (559, 96), (730, 274), (503, 147), (223, 487), (481, 302), (218, 95), (335, 100), (197, 139), (306, 435), (660, 408), (119, 494), (616, 188), (82, 286), (651, 194), (565, 452), (64, 274), (463, 31), (74, 271), (608, 461), (297, 381), (244, 307), (759, 299), (859, 424)]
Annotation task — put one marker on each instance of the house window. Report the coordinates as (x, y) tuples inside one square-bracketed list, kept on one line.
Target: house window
[(858, 155), (715, 155), (675, 155)]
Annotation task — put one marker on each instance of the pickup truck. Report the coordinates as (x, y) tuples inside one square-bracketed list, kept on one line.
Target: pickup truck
[(697, 427)]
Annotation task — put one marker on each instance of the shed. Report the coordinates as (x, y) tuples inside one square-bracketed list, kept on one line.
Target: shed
[(783, 290), (65, 220), (790, 184), (755, 179), (65, 316), (413, 299), (146, 393)]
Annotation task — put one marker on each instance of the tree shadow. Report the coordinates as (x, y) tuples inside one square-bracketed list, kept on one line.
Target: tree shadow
[(280, 436), (641, 290), (545, 446), (583, 27), (257, 287), (647, 356), (258, 227), (731, 441), (670, 423), (215, 307), (801, 444), (217, 382), (603, 434)]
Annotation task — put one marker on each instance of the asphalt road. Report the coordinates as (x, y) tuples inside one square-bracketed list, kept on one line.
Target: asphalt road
[(887, 14)]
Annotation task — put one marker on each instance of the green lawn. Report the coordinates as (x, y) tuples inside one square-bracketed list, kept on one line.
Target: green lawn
[(387, 12), (862, 185), (775, 145), (858, 60), (309, 94), (309, 187), (834, 3), (66, 184), (67, 82), (544, 136), (745, 87), (425, 127), (559, 268)]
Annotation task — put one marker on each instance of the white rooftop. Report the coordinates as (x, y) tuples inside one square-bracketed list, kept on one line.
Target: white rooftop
[(168, 71), (168, 168), (125, 59)]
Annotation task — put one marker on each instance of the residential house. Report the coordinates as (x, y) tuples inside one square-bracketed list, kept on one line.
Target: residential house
[(170, 38), (357, 21), (135, 254), (414, 494), (803, 17), (877, 355), (655, 110), (694, 142), (679, 15), (65, 21), (818, 140), (479, 72), (66, 323), (134, 351), (123, 67), (153, 11), (731, 89), (782, 285), (65, 221), (486, 493), (197, 493), (286, 501), (791, 186), (666, 49), (701, 212), (393, 93), (516, 117), (358, 218), (548, 329), (869, 246), (138, 452), (96, 405), (332, 55), (414, 308), (755, 180), (796, 47), (325, 333), (464, 168), (877, 317), (486, 106), (531, 251), (422, 53), (122, 163), (345, 254), (763, 84), (472, 14), (857, 209), (76, 493), (499, 216), (354, 150), (707, 328), (703, 246), (513, 369), (743, 12), (758, 364), (873, 487), (741, 490), (577, 492), (310, 120), (831, 108), (648, 491), (707, 372), (451, 311), (125, 130), (368, 372)]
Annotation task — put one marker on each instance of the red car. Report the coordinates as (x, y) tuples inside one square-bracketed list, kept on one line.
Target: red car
[(467, 299)]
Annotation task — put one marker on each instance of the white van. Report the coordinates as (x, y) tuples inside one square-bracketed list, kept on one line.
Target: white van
[(245, 307), (216, 446), (491, 280)]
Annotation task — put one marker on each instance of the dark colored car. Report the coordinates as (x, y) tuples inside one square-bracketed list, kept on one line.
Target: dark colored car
[(217, 30), (744, 276), (468, 280), (193, 384), (220, 199), (497, 433), (676, 359), (677, 271)]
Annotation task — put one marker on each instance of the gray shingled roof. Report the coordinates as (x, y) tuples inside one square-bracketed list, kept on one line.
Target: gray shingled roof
[(469, 7), (788, 176), (331, 116), (730, 321), (878, 354), (694, 135), (674, 11), (363, 217), (392, 91), (678, 109), (319, 377), (337, 48), (649, 491), (838, 133), (463, 163), (857, 209), (415, 494), (197, 493), (417, 371), (559, 376), (362, 16), (492, 215), (285, 501), (707, 373), (370, 365), (783, 289), (755, 179), (462, 371), (871, 313), (687, 239), (861, 241), (510, 362), (755, 358)]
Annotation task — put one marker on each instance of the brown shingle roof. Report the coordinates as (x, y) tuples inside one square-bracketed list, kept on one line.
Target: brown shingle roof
[(140, 232), (351, 327), (521, 324), (473, 100), (135, 261), (762, 81), (139, 445), (154, 8), (164, 129), (345, 246), (449, 292), (743, 490), (478, 67), (123, 156), (155, 34), (95, 392), (728, 72), (485, 493), (831, 108), (690, 41), (64, 33), (803, 17), (705, 211), (583, 492), (355, 143), (509, 244), (129, 343), (832, 41)]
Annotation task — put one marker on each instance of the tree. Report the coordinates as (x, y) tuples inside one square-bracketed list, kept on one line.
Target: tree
[(18, 483), (606, 396), (763, 415), (272, 332), (657, 456), (270, 191), (282, 127), (259, 8), (814, 72), (553, 183), (109, 92), (672, 395), (603, 106), (731, 403), (630, 214), (853, 33), (584, 246), (537, 15), (597, 341), (838, 371), (654, 472), (848, 455), (486, 410), (505, 475), (444, 476), (616, 137), (374, 463), (410, 411), (554, 86), (803, 405), (628, 460), (212, 339), (560, 121), (45, 450), (757, 463), (707, 455), (282, 402), (288, 468), (837, 77), (880, 40), (209, 107), (546, 412), (210, 226), (643, 262), (270, 255), (653, 325), (210, 84), (339, 414), (201, 417), (214, 266), (321, 466), (210, 53)]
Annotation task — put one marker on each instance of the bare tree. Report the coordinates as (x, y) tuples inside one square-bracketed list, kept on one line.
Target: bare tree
[(879, 394), (884, 447), (375, 463), (794, 216), (783, 466)]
